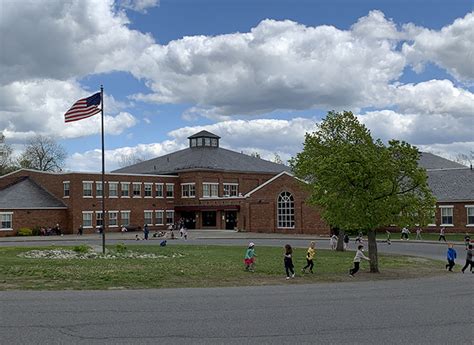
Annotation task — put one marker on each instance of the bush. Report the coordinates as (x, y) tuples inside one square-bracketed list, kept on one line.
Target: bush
[(37, 231), (121, 248), (25, 232), (83, 248)]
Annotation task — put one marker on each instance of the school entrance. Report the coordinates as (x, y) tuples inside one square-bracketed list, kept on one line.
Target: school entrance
[(230, 220), (189, 219)]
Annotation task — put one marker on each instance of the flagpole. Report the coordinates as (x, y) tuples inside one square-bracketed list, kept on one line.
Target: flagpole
[(103, 170)]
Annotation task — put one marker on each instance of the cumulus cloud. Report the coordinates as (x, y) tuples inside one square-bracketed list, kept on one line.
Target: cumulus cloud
[(138, 5), (451, 48)]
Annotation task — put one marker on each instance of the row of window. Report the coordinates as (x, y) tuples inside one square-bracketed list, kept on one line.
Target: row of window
[(188, 190), (447, 217), (160, 217)]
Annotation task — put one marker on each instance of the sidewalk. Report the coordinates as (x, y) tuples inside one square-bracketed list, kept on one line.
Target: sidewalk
[(193, 234)]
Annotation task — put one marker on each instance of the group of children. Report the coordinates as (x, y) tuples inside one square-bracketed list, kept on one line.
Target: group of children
[(249, 259)]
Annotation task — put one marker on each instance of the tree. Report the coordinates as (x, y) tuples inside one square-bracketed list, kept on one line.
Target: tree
[(6, 160), (126, 160), (255, 154), (361, 184), (277, 159), (43, 153)]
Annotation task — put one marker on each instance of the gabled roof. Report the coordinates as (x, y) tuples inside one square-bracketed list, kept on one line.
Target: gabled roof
[(266, 183), (204, 134), (452, 184), (204, 158), (25, 193), (430, 161)]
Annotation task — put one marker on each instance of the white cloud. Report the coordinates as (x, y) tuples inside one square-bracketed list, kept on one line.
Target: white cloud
[(449, 151), (451, 48), (139, 5)]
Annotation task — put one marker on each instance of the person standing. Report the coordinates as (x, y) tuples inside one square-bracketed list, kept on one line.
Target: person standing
[(418, 233), (249, 259), (441, 235), (451, 256), (333, 242), (357, 258), (80, 230), (145, 232), (468, 259), (309, 258), (288, 261), (346, 241)]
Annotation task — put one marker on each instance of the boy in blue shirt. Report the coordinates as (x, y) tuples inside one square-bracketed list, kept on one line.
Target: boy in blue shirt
[(451, 256)]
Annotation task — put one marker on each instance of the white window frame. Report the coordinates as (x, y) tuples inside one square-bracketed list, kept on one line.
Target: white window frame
[(447, 207), (133, 189), (469, 207), (127, 189), (172, 217), (68, 183), (91, 219), (116, 189), (91, 184), (160, 214), (111, 213), (434, 218), (150, 223), (97, 184), (150, 185), (187, 191), (211, 185), (122, 218), (8, 215), (230, 185), (285, 220), (159, 187), (172, 190), (99, 218)]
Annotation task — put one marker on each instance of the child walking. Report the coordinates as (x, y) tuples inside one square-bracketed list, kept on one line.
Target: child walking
[(288, 260), (249, 259), (357, 258), (309, 258), (468, 259), (451, 256)]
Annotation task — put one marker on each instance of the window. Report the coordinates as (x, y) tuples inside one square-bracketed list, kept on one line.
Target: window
[(148, 190), (188, 190), (169, 217), (99, 191), (213, 142), (125, 189), (137, 189), (113, 189), (159, 217), (286, 211), (446, 215), (432, 217), (99, 219), (470, 214), (87, 189), (170, 190), (207, 141), (113, 217), (6, 221), (125, 218), (209, 218), (231, 189), (87, 219), (159, 190), (66, 188), (210, 189), (148, 215), (193, 142)]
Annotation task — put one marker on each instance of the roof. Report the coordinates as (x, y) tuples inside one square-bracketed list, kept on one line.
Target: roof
[(25, 193), (204, 158), (430, 161), (204, 134), (452, 184)]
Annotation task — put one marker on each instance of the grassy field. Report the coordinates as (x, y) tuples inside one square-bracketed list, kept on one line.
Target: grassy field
[(426, 236), (192, 266)]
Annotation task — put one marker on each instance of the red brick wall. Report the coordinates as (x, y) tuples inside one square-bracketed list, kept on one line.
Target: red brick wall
[(33, 218)]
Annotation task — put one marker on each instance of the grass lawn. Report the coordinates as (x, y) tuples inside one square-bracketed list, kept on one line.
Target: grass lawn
[(426, 236), (192, 266)]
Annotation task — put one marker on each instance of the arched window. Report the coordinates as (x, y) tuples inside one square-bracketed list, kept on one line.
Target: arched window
[(286, 211)]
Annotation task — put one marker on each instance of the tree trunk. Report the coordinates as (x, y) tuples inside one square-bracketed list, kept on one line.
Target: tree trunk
[(340, 241), (374, 262)]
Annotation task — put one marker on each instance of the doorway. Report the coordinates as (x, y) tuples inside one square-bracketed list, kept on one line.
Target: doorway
[(230, 220), (189, 219), (209, 218)]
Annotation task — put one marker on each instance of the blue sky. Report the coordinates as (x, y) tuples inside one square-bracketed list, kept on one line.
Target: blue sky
[(258, 73)]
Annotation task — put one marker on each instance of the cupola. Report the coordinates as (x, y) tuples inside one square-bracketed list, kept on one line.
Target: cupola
[(204, 139)]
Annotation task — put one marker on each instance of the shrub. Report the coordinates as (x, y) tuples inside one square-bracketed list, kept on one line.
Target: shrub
[(83, 248), (121, 248), (25, 232), (36, 231)]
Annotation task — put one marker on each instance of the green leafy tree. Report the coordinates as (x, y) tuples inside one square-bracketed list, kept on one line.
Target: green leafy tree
[(360, 183)]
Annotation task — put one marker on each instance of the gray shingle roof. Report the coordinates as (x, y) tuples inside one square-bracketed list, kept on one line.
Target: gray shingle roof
[(431, 161), (204, 134), (452, 184), (203, 158), (25, 193)]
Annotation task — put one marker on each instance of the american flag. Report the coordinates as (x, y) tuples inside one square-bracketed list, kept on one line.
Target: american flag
[(83, 108)]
